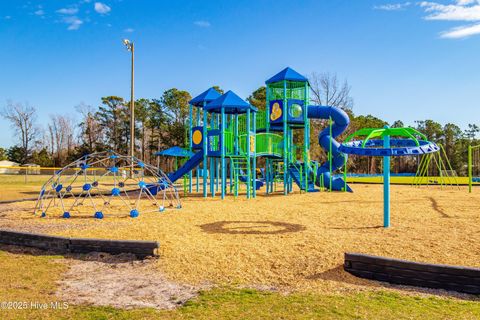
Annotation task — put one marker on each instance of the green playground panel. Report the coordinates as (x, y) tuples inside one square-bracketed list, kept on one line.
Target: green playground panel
[(295, 90), (261, 122), (267, 144)]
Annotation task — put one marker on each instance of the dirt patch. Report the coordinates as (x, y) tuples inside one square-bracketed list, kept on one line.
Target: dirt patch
[(122, 282), (251, 227)]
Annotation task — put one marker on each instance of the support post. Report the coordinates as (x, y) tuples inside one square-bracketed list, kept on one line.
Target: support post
[(306, 138), (470, 171), (190, 144), (285, 139), (205, 151), (254, 163), (212, 160), (330, 158), (386, 184), (197, 170), (247, 151), (222, 149)]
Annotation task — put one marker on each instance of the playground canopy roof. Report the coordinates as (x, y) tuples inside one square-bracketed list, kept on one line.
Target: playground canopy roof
[(175, 152), (287, 74), (230, 103), (206, 96)]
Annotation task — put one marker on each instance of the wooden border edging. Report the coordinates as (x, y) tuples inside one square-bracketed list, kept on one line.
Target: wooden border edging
[(438, 276), (141, 249)]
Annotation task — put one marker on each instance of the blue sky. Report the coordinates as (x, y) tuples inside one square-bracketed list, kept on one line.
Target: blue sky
[(404, 60)]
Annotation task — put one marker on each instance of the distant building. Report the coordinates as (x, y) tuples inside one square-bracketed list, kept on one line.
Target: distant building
[(4, 167)]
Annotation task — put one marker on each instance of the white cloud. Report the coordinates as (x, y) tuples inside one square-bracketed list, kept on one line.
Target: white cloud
[(7, 17), (455, 10), (39, 12), (459, 10), (68, 11), (129, 30), (392, 6), (461, 32), (101, 8), (452, 12), (202, 23), (465, 2), (73, 22)]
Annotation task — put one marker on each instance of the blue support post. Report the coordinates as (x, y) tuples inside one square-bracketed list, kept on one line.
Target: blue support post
[(268, 173), (254, 164), (386, 184), (247, 147), (212, 161), (330, 157), (222, 145), (293, 158), (267, 130), (197, 170), (217, 161), (236, 152), (190, 113), (285, 139), (205, 147), (306, 137)]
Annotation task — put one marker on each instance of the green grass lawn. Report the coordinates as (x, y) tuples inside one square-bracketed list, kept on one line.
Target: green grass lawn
[(33, 278)]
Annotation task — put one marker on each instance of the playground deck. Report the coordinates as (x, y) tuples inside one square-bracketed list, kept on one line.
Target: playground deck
[(290, 243)]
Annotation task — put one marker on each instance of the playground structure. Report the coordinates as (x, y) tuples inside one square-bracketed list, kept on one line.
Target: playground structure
[(435, 168), (228, 136), (473, 166), (106, 183), (408, 141)]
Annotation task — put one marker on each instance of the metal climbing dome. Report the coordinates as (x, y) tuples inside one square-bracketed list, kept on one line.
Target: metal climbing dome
[(106, 183)]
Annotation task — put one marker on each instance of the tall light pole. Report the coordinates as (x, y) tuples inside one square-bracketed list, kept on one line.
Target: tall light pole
[(131, 47)]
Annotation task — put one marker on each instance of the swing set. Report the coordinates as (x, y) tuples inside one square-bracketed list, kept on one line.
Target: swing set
[(473, 166), (435, 169)]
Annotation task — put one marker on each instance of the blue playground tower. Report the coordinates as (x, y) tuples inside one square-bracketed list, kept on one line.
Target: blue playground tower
[(229, 137)]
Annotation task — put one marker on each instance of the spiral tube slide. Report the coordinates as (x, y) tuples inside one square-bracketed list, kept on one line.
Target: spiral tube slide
[(340, 123)]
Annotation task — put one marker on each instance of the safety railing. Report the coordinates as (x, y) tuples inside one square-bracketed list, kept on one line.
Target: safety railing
[(266, 144)]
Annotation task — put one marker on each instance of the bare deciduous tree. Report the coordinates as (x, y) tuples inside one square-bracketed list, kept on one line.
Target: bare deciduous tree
[(22, 118), (61, 130), (91, 132), (328, 91)]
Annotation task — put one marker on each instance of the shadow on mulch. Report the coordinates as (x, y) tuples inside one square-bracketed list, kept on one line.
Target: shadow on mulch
[(251, 227)]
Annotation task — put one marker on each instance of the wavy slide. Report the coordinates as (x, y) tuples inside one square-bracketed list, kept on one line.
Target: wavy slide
[(340, 123)]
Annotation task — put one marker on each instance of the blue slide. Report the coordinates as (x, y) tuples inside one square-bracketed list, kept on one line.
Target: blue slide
[(187, 167), (243, 177), (340, 123)]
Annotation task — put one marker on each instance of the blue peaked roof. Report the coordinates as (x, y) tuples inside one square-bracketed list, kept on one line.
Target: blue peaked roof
[(206, 96), (231, 103), (175, 152), (287, 74)]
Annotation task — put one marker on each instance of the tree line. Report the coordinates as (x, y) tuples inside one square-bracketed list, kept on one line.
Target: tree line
[(163, 122)]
